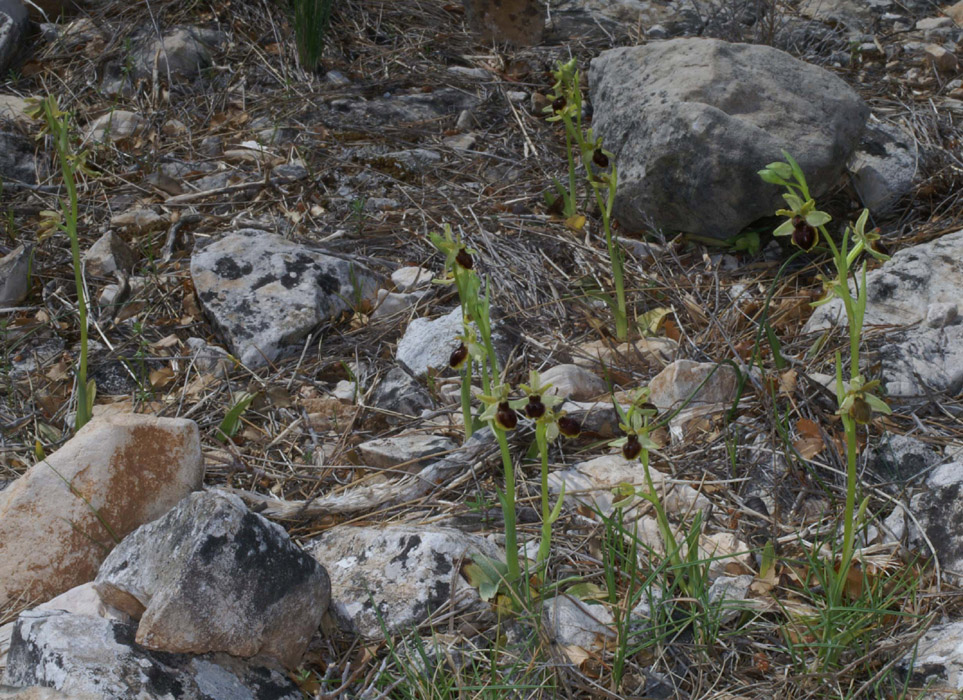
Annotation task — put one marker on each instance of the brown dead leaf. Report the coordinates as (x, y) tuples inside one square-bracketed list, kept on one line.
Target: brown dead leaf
[(787, 383), (161, 377)]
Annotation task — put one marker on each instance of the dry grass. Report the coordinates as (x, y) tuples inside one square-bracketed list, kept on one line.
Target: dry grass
[(540, 275)]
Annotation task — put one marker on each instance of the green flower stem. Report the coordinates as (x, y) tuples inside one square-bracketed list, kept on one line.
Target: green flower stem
[(544, 546), (615, 254), (466, 398), (570, 206), (61, 133), (508, 506)]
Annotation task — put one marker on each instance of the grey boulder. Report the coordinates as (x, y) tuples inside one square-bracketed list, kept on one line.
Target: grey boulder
[(211, 576), (692, 121), (90, 657), (264, 293), (884, 167)]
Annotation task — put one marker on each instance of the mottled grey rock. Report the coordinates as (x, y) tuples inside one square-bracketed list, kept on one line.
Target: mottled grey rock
[(109, 254), (60, 519), (14, 275), (91, 657), (427, 343), (264, 293), (939, 510), (399, 576), (401, 396), (883, 167), (414, 450), (692, 121), (212, 576), (17, 160), (918, 283), (935, 662), (13, 27), (572, 622), (900, 458)]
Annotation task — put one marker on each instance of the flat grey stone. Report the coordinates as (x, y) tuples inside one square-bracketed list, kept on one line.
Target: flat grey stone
[(91, 657), (263, 293), (397, 576)]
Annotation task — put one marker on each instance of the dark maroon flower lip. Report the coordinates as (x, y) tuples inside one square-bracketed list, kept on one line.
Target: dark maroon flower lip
[(535, 409), (600, 159), (458, 357), (505, 416), (632, 448), (569, 427), (464, 259), (803, 235), (861, 411), (559, 103)]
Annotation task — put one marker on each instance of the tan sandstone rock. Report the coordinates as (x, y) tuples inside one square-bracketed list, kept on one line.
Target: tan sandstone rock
[(60, 519)]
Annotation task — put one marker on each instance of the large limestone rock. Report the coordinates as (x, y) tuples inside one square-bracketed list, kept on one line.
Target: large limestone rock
[(60, 519), (692, 121), (213, 576), (265, 293), (398, 576), (920, 288), (87, 657)]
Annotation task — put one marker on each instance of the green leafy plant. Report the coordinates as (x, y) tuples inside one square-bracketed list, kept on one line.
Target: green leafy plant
[(232, 419), (856, 398), (601, 174), (311, 20), (72, 163)]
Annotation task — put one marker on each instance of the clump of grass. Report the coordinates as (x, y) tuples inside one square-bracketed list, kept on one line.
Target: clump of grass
[(311, 19)]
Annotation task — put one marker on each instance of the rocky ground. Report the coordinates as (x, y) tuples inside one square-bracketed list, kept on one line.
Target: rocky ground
[(276, 498)]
